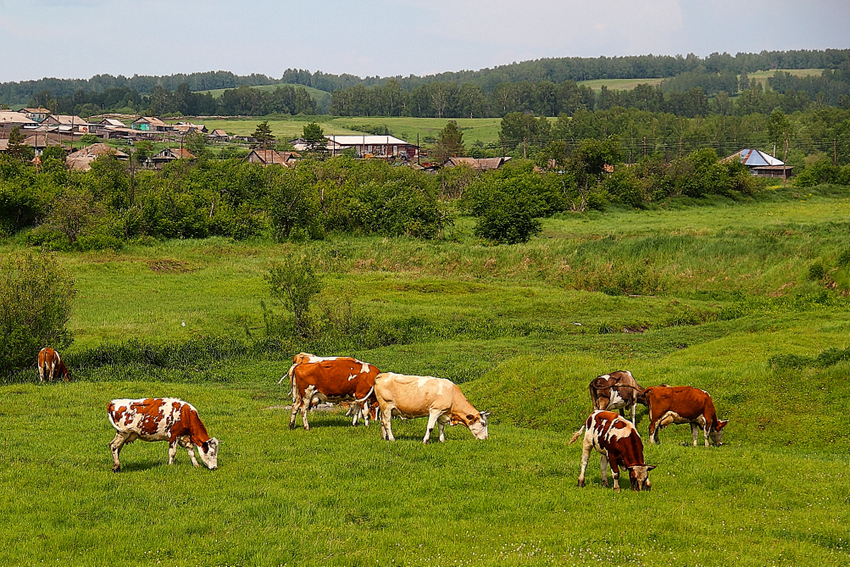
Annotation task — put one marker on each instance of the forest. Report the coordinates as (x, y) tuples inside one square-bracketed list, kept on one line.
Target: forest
[(691, 86)]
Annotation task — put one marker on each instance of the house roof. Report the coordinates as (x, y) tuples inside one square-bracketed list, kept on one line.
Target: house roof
[(66, 119), (270, 157), (174, 153), (218, 132), (482, 164), (367, 140), (13, 117), (150, 120), (754, 158), (112, 122), (38, 110), (99, 149)]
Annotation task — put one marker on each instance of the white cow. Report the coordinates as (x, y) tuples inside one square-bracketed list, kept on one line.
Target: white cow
[(419, 396)]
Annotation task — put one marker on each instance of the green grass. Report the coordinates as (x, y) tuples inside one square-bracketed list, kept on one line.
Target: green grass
[(485, 130), (724, 290)]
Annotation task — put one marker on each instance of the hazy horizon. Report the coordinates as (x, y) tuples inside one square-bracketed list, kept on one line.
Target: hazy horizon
[(77, 39)]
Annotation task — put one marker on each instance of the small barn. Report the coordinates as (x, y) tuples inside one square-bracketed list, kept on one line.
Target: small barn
[(761, 164), (271, 157), (170, 154)]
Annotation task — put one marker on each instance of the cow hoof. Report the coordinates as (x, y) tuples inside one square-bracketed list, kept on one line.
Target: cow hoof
[(116, 469), (581, 484)]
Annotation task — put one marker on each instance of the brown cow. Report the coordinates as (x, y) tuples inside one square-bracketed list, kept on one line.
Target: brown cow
[(333, 379), (419, 396), (683, 404), (620, 445), (161, 419), (50, 363), (617, 390)]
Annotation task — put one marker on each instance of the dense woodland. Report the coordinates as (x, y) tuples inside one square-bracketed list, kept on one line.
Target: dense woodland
[(692, 86)]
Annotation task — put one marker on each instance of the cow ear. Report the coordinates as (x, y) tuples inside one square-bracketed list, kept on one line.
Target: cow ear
[(650, 467), (721, 424), (471, 418), (205, 446)]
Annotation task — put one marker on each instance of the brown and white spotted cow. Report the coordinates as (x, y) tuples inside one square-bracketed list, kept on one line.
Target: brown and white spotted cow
[(616, 391), (161, 419), (50, 363), (419, 396), (619, 444), (331, 379), (684, 404)]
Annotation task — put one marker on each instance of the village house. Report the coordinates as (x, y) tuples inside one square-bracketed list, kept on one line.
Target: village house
[(81, 159), (150, 124), (272, 157), (10, 119), (761, 164), (37, 114), (478, 164), (170, 154), (366, 146), (218, 135), (66, 123)]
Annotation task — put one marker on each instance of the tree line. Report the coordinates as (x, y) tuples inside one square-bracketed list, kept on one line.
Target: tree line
[(554, 70)]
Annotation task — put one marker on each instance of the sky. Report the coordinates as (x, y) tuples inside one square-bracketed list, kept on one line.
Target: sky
[(83, 38)]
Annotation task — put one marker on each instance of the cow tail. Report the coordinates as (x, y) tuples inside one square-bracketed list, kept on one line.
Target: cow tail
[(366, 397), (288, 373), (576, 435)]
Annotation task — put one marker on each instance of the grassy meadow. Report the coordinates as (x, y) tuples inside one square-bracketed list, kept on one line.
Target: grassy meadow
[(485, 130), (722, 297)]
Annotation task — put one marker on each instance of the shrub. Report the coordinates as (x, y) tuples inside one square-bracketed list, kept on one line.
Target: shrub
[(36, 294), (294, 283), (509, 222)]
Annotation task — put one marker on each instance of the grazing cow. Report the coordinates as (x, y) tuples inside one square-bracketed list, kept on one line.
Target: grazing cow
[(620, 445), (617, 390), (333, 379), (683, 404), (50, 363), (417, 396), (161, 419)]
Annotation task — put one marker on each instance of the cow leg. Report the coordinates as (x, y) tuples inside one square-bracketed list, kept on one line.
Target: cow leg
[(694, 432), (172, 451), (41, 373), (50, 368), (586, 447), (115, 446), (615, 472), (306, 402), (432, 421), (634, 413), (187, 444), (297, 400), (603, 467), (653, 432), (386, 423)]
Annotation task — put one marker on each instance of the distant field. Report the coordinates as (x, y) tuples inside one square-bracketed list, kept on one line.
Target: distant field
[(629, 84), (619, 84), (315, 93), (406, 128)]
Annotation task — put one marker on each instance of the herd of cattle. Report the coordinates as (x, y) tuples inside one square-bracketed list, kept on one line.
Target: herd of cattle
[(374, 394)]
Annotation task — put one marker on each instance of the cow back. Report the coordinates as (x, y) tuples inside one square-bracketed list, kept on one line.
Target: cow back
[(686, 401), (336, 377)]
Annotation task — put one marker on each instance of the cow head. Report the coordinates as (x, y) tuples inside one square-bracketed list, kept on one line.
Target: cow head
[(639, 477), (208, 450), (716, 433), (478, 424)]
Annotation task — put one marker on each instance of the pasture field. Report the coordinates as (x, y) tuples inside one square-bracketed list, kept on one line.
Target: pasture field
[(720, 297), (284, 128)]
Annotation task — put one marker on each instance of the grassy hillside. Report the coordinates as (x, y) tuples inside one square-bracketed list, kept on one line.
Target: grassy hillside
[(720, 297)]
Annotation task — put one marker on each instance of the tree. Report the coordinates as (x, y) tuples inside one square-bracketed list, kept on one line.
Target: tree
[(523, 129), (314, 136), (778, 127), (449, 142), (196, 143), (263, 133), (36, 294), (294, 283), (16, 147)]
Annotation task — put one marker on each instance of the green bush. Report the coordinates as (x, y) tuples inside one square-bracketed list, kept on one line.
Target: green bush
[(36, 294)]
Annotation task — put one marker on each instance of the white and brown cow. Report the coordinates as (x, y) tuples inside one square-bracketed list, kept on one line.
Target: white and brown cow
[(419, 396), (619, 444), (684, 404), (616, 391), (161, 419), (50, 364), (330, 379)]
